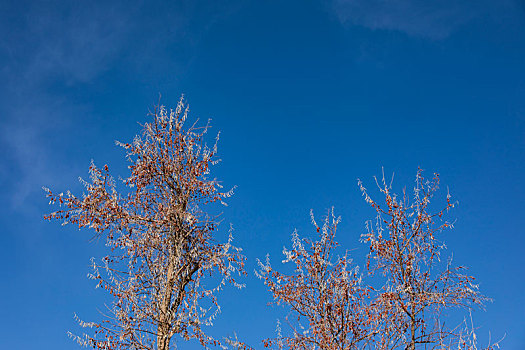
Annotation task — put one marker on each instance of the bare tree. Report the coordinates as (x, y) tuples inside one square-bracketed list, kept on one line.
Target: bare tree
[(418, 287), (408, 293), (160, 237)]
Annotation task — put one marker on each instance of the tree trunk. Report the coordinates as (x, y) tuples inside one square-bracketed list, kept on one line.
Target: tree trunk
[(163, 329)]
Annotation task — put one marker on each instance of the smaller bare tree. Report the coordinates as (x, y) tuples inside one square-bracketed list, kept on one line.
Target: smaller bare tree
[(409, 291), (418, 288), (161, 238)]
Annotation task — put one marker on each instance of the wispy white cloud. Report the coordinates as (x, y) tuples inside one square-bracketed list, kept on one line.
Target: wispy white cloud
[(73, 44), (29, 140), (420, 18), (48, 50), (45, 44), (76, 42)]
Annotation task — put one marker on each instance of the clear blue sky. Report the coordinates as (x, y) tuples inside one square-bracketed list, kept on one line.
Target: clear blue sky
[(309, 96)]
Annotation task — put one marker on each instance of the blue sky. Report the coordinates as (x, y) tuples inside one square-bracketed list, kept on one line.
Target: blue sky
[(308, 95)]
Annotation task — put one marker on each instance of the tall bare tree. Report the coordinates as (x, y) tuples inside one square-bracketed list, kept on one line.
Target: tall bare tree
[(161, 238)]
